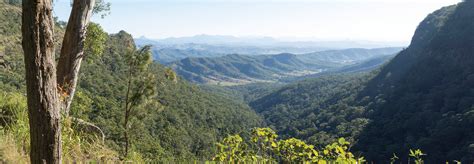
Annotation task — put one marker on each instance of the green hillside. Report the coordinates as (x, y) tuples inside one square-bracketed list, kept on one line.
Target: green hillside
[(168, 55), (367, 65), (10, 47), (182, 122), (242, 69), (188, 124), (335, 58), (422, 99), (427, 92), (316, 110)]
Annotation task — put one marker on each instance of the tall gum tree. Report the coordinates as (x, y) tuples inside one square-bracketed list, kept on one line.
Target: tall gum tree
[(50, 90)]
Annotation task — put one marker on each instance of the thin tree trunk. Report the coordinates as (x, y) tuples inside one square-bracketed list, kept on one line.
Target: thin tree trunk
[(127, 112), (72, 51), (43, 108)]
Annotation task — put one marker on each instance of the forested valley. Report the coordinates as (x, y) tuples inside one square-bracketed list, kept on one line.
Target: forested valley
[(386, 105)]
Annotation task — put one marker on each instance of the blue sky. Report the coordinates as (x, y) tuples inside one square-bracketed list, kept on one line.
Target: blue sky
[(372, 20)]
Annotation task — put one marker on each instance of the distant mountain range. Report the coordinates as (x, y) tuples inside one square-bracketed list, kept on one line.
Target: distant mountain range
[(173, 49), (227, 40), (243, 69)]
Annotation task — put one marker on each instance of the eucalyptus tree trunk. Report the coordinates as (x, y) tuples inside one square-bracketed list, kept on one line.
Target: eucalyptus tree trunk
[(72, 51), (43, 100), (48, 91)]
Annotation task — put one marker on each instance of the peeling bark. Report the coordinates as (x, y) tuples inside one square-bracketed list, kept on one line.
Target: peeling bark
[(72, 51)]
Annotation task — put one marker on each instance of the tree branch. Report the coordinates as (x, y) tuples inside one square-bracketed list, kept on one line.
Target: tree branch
[(89, 127), (72, 51)]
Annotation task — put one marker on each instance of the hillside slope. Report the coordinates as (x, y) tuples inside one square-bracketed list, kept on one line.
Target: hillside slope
[(317, 110), (181, 122), (427, 92), (423, 98), (168, 55), (346, 57), (10, 45), (241, 69), (185, 127)]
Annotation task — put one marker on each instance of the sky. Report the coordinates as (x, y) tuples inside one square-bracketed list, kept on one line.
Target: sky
[(330, 20)]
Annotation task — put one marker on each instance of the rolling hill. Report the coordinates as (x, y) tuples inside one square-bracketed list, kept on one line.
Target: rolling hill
[(168, 55), (242, 69), (336, 58)]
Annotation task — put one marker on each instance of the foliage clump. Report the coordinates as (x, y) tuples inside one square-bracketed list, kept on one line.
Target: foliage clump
[(417, 156), (264, 146)]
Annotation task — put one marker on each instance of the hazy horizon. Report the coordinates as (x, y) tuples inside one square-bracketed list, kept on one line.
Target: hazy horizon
[(295, 20), (280, 39), (267, 41)]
